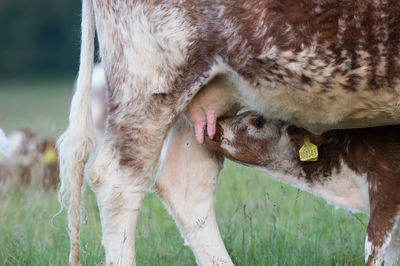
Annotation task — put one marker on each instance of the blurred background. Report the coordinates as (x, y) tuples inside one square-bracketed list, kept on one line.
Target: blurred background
[(262, 221), (39, 58), (39, 39)]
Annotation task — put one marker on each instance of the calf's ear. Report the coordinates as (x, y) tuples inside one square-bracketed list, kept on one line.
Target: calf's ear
[(297, 136)]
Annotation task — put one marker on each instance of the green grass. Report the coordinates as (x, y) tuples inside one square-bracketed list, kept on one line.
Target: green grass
[(262, 221)]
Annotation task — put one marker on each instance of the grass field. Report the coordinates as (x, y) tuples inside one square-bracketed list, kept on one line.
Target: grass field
[(262, 221)]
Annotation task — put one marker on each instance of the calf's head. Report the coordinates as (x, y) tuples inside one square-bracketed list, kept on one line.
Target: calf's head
[(248, 138), (252, 139)]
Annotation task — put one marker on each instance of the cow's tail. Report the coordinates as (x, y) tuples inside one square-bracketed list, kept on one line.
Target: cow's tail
[(75, 145)]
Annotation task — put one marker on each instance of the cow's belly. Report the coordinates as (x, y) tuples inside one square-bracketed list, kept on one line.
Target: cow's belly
[(319, 112)]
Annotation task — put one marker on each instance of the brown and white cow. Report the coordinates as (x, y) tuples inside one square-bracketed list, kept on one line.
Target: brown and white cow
[(357, 169), (317, 64), (29, 160)]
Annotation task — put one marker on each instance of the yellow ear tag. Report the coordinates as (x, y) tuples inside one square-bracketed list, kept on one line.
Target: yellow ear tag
[(308, 152), (50, 156)]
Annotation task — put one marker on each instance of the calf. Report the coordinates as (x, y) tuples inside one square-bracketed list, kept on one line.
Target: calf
[(356, 168)]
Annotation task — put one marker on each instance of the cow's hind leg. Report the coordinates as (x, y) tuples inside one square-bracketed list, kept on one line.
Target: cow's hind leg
[(122, 168), (186, 183)]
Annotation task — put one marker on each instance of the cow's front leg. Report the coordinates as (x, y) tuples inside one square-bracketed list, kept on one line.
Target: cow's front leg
[(186, 183)]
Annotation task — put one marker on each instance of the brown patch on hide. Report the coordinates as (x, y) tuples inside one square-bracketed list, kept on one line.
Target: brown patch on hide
[(297, 135), (345, 29), (371, 151)]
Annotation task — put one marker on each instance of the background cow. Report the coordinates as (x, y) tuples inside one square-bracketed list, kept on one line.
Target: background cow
[(29, 160)]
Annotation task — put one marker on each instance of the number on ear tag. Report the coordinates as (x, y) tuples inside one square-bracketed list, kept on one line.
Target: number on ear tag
[(308, 152)]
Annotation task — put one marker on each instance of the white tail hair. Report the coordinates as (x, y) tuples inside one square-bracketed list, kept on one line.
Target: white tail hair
[(76, 143)]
